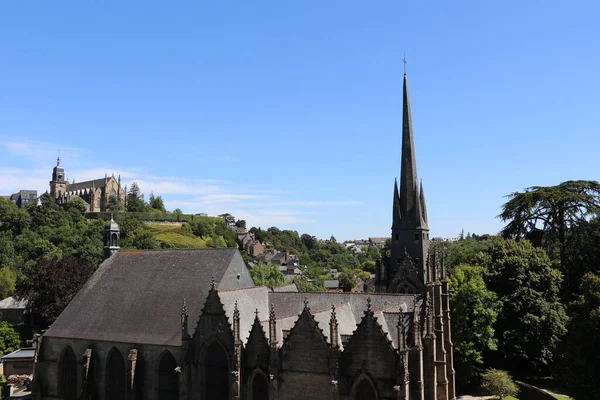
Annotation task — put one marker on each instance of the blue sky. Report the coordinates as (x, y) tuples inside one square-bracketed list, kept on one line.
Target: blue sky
[(288, 113)]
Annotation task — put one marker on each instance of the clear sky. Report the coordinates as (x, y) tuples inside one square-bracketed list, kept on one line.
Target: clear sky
[(288, 113)]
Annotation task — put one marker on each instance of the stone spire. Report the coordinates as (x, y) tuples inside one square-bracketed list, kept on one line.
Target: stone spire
[(184, 321), (410, 229), (408, 170)]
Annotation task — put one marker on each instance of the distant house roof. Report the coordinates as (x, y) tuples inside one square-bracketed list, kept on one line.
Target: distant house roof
[(378, 239), (24, 353), (331, 284), (136, 296), (292, 288), (12, 303)]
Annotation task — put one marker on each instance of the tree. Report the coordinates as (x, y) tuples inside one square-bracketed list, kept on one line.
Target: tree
[(580, 367), (474, 312), (156, 203), (229, 219), (135, 199), (9, 338), (114, 204), (348, 281), (7, 283), (240, 223), (50, 285), (532, 321), (498, 383), (267, 275), (545, 214)]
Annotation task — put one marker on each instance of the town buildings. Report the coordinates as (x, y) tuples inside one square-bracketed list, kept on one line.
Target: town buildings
[(22, 197), (191, 324)]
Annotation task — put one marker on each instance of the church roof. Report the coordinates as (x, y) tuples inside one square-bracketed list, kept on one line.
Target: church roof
[(136, 296), (99, 183)]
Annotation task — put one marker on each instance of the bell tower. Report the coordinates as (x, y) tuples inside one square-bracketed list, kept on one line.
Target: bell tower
[(58, 184), (112, 238), (410, 230)]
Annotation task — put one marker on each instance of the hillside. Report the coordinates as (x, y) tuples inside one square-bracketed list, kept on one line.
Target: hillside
[(172, 236)]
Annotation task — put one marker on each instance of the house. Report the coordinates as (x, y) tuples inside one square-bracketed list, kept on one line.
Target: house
[(12, 310), (19, 362), (378, 241), (22, 197)]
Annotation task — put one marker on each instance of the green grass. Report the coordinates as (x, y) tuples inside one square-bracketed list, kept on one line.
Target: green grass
[(561, 397), (171, 236)]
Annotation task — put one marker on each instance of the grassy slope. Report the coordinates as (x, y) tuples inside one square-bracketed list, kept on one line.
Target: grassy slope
[(174, 237)]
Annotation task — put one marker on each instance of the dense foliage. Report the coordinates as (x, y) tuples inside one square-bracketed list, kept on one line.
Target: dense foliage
[(9, 338), (51, 284), (580, 367), (474, 312), (267, 275)]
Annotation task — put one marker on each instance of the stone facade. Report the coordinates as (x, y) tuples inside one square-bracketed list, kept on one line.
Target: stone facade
[(94, 193)]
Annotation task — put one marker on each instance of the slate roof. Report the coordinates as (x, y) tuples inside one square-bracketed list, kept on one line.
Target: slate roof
[(136, 296), (289, 304), (71, 187), (349, 308), (28, 352), (286, 288)]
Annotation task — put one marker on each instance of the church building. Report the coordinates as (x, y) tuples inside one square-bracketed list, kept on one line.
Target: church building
[(191, 325), (94, 193)]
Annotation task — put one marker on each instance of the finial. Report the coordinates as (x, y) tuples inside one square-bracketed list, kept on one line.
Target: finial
[(184, 309), (111, 217), (58, 160), (405, 62), (368, 304), (306, 303), (236, 311), (212, 283), (272, 312), (333, 312), (255, 313)]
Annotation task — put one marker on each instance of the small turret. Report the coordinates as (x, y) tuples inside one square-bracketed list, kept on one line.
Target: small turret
[(112, 238)]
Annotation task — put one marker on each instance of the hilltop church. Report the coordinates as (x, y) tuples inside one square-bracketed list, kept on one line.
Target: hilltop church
[(191, 325), (94, 193)]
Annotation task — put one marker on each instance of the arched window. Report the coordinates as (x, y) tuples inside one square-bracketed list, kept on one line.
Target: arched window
[(68, 375), (113, 240), (260, 387), (216, 372), (116, 376), (168, 379), (363, 389)]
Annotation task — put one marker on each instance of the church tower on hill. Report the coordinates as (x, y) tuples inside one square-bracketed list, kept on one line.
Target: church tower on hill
[(406, 271)]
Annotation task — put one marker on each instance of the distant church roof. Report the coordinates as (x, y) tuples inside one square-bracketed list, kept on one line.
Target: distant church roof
[(99, 183), (136, 296)]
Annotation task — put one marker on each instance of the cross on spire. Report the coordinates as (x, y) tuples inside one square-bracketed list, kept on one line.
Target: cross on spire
[(405, 62)]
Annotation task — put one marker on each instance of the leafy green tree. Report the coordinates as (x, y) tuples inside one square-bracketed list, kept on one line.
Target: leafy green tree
[(9, 338), (156, 203), (474, 312), (532, 321), (228, 218), (203, 227), (7, 283), (50, 285), (546, 214), (135, 199), (240, 223), (348, 281), (498, 383), (267, 275), (580, 367), (115, 205)]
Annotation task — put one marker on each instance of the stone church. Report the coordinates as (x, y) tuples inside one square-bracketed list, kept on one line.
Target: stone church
[(191, 325), (94, 193)]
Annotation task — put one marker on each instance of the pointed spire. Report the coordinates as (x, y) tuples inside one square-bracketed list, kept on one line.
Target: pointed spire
[(401, 331), (236, 324), (416, 328), (408, 170), (184, 320), (423, 206), (397, 214), (333, 329), (272, 327)]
